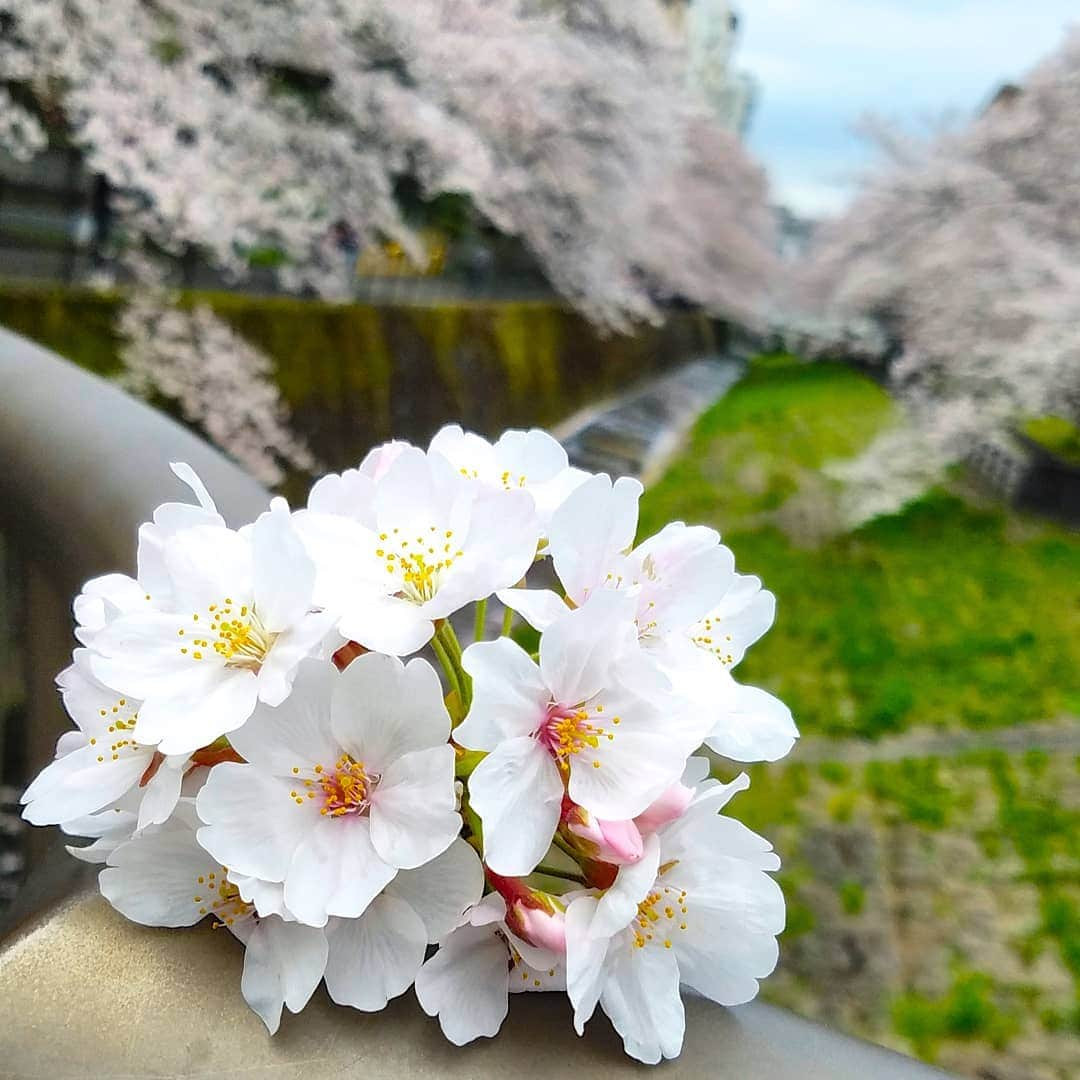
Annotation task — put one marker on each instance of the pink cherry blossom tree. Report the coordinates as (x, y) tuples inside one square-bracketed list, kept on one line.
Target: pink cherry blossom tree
[(237, 128), (965, 248)]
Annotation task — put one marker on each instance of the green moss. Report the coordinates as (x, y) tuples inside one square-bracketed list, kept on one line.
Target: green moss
[(841, 806), (914, 788), (354, 375), (834, 772), (973, 1008), (852, 897), (1056, 434)]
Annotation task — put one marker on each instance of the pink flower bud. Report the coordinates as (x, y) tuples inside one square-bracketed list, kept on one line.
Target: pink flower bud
[(538, 926), (535, 916), (615, 842), (669, 807)]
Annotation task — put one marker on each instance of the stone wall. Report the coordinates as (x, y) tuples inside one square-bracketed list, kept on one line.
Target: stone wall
[(354, 375)]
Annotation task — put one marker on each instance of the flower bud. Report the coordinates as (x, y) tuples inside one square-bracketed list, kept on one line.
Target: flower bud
[(535, 916), (615, 842), (669, 807)]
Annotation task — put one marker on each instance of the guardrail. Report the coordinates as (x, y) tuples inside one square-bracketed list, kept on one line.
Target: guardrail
[(84, 992)]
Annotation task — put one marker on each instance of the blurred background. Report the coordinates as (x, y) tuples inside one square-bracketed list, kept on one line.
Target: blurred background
[(812, 270)]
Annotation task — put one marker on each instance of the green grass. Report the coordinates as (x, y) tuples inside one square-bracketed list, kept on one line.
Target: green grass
[(1019, 974), (946, 615)]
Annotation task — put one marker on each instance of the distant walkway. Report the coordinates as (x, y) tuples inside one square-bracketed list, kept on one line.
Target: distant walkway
[(1061, 736), (639, 432)]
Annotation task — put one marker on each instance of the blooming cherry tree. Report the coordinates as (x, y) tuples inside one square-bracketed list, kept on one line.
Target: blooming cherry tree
[(536, 818), (961, 249)]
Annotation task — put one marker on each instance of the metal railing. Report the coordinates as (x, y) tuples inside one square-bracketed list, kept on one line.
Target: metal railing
[(85, 993)]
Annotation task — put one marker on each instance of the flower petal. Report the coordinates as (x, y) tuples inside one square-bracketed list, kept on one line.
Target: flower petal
[(509, 697), (283, 575), (517, 791), (376, 957), (154, 880), (465, 984), (181, 725), (588, 532), (749, 724), (619, 904), (538, 607), (383, 709), (82, 782), (579, 649), (283, 964), (642, 1001), (386, 624), (253, 826), (584, 960), (162, 792), (412, 810), (292, 646), (297, 733), (441, 891), (336, 871)]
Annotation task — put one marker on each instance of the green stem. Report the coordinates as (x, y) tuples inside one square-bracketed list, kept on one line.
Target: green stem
[(447, 666), (553, 871), (508, 621), (564, 847), (449, 641), (481, 617)]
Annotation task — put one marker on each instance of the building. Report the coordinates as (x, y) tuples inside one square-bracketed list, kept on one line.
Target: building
[(710, 29)]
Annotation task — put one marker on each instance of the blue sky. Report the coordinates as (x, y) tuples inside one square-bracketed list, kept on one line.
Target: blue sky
[(823, 63)]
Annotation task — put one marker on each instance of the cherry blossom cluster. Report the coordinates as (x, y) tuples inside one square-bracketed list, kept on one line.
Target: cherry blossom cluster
[(279, 732)]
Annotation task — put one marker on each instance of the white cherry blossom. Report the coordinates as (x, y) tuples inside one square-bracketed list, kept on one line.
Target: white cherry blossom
[(103, 760), (467, 983), (698, 909), (590, 720), (677, 576), (433, 544), (167, 879), (250, 750), (529, 461), (105, 598), (347, 782), (232, 620), (694, 613)]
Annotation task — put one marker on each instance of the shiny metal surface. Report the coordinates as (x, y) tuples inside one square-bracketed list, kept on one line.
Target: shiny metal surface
[(86, 994)]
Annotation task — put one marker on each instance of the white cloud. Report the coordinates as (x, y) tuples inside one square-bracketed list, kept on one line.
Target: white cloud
[(823, 63)]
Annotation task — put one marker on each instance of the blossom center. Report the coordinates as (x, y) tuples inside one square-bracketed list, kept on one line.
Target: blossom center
[(120, 719), (710, 638), (233, 631), (659, 915), (347, 789), (567, 732), (418, 564), (218, 896), (509, 481)]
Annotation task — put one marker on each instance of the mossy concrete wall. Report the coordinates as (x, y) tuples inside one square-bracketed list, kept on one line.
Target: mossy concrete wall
[(354, 375)]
